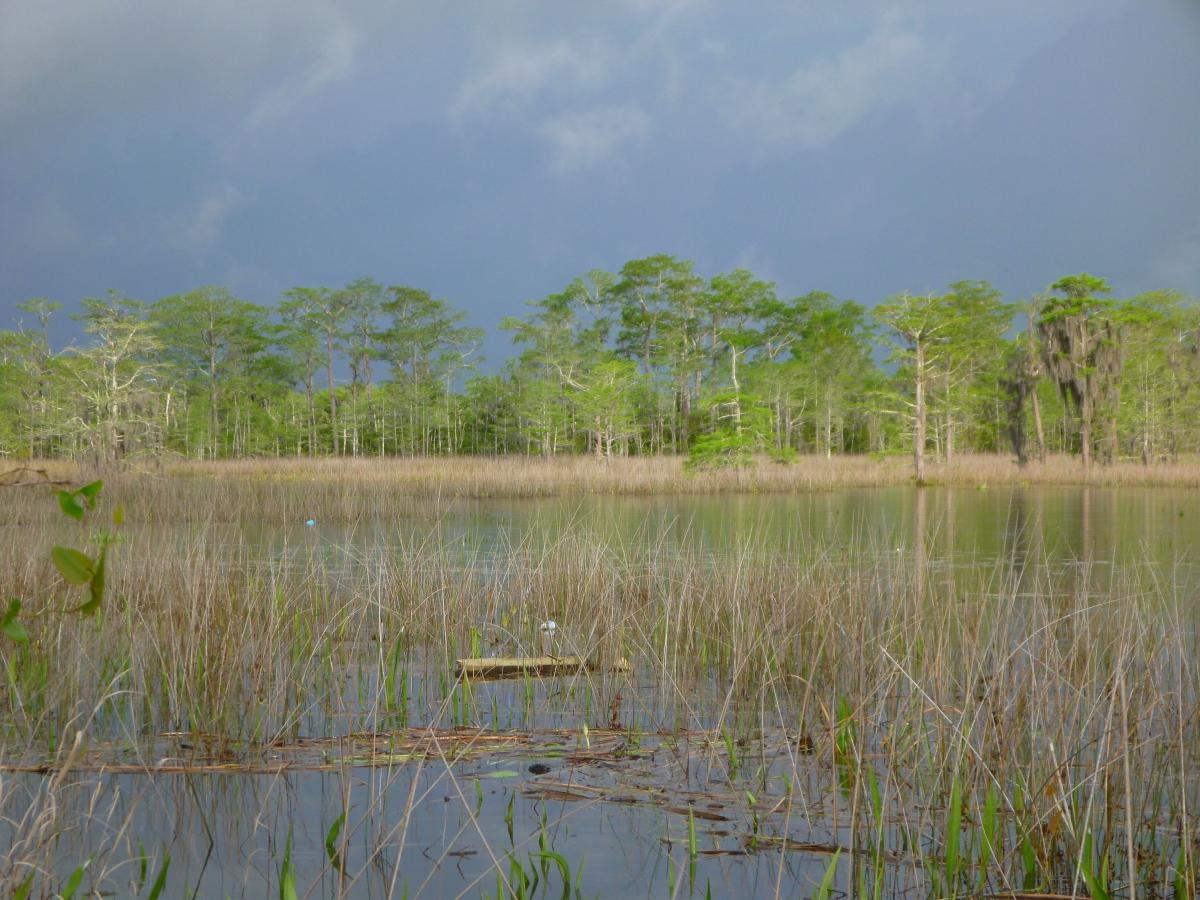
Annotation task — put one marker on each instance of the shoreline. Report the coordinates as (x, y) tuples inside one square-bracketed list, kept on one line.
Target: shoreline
[(522, 477)]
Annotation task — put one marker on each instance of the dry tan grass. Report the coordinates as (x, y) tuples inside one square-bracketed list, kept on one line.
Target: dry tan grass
[(515, 476), (535, 476)]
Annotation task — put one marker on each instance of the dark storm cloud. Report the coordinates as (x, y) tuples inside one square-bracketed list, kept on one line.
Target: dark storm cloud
[(491, 151)]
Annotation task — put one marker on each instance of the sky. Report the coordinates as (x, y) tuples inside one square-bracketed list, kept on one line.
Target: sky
[(490, 151)]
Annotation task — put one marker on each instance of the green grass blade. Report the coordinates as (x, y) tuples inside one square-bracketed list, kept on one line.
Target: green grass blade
[(953, 835), (826, 887), (287, 876), (331, 842), (160, 883)]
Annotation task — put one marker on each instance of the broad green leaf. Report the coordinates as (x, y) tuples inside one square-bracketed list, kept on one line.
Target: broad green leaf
[(69, 505), (74, 566), (90, 492), (95, 588), (11, 627)]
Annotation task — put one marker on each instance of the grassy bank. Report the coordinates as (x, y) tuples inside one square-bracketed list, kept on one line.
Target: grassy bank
[(536, 476), (349, 489)]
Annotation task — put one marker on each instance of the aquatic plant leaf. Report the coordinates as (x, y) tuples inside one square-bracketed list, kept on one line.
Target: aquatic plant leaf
[(89, 492), (74, 566), (96, 588), (1181, 873), (565, 870), (826, 887), (953, 833), (1094, 884), (331, 842), (160, 882), (75, 880), (503, 773), (10, 626), (287, 876), (69, 505), (143, 865)]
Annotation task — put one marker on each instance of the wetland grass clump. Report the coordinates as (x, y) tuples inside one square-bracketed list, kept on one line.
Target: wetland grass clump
[(986, 728)]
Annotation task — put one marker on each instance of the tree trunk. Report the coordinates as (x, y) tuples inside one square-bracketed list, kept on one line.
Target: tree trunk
[(737, 389), (828, 426), (685, 412), (1037, 424), (214, 421), (333, 435), (1085, 433), (919, 423), (312, 415), (1145, 429)]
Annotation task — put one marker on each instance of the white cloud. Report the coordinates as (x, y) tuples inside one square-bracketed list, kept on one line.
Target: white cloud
[(202, 230), (334, 60), (583, 140), (518, 72), (821, 99), (751, 257)]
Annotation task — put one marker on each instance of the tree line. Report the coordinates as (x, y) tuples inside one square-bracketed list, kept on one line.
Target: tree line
[(652, 359)]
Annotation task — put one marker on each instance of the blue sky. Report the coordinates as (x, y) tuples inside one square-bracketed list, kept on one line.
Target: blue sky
[(491, 151)]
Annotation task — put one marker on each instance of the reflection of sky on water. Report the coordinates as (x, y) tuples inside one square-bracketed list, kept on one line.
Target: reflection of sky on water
[(226, 834), (1061, 527)]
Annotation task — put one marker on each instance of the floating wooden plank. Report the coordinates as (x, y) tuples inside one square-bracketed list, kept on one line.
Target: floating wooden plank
[(517, 666)]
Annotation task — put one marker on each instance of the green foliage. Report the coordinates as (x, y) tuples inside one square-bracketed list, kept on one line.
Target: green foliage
[(651, 359), (10, 626), (721, 450), (76, 567)]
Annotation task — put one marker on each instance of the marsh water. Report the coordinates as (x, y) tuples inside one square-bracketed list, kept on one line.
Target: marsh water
[(1068, 524), (565, 794)]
